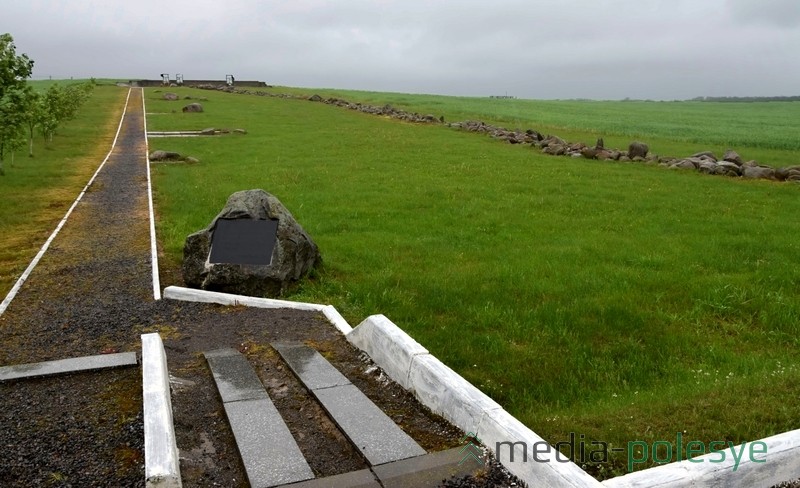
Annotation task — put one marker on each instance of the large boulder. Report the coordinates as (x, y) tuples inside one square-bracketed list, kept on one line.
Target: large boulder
[(293, 252), (638, 149)]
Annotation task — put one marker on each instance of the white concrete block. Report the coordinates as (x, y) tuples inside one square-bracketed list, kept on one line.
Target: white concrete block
[(448, 394), (542, 469), (162, 468), (781, 462), (71, 365), (336, 319), (203, 296), (387, 345)]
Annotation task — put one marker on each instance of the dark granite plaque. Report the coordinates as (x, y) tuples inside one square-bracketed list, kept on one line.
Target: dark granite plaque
[(243, 241)]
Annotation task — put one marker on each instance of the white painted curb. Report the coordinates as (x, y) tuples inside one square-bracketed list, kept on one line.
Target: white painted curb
[(336, 319), (153, 242), (203, 296), (15, 289), (387, 345), (162, 468), (448, 394), (781, 463)]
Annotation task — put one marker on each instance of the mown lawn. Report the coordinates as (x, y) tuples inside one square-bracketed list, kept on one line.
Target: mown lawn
[(622, 302), (36, 192)]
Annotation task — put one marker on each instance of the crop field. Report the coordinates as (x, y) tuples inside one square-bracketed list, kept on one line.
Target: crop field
[(621, 302)]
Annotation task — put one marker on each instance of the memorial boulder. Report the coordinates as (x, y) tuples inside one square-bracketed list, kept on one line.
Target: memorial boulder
[(252, 247)]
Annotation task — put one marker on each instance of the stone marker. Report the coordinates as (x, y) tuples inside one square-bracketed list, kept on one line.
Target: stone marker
[(253, 247)]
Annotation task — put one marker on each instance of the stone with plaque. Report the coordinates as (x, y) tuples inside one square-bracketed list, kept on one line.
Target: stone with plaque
[(252, 247)]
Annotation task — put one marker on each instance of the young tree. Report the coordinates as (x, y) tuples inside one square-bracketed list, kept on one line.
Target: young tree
[(34, 113), (59, 105), (14, 71)]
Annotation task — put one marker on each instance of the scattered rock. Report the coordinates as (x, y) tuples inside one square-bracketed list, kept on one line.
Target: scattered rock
[(705, 154), (589, 152), (638, 149), (191, 160), (170, 96), (758, 172), (684, 164), (293, 256), (728, 168), (165, 156), (208, 132), (193, 107), (704, 161), (733, 157), (239, 131)]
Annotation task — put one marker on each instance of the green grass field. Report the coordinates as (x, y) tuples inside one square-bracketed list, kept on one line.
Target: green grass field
[(622, 302), (36, 192), (765, 131)]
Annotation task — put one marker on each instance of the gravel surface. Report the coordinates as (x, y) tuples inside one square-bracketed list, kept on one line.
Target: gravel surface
[(91, 294)]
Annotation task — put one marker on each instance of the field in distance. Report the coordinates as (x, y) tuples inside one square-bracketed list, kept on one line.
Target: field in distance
[(765, 131), (622, 302)]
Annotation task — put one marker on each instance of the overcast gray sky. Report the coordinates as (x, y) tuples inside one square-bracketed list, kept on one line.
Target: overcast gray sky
[(603, 49)]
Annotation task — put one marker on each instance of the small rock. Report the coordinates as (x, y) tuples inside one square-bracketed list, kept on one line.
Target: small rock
[(684, 164), (191, 160), (733, 157), (705, 154), (165, 156), (758, 172), (193, 107), (208, 132), (169, 96)]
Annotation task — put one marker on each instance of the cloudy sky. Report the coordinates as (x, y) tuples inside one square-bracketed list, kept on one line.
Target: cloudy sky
[(603, 49)]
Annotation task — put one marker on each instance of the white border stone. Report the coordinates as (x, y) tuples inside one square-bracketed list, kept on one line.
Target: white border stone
[(153, 242), (780, 463), (448, 394), (336, 319), (70, 365), (162, 468), (387, 345), (203, 296), (500, 426)]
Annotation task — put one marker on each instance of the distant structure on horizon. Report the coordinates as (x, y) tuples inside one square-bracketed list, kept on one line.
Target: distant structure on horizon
[(502, 96), (180, 81)]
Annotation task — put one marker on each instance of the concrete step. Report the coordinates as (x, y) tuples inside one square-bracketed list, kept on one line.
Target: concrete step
[(269, 453), (373, 433)]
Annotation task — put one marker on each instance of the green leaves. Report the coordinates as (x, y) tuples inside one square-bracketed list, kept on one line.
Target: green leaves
[(14, 71)]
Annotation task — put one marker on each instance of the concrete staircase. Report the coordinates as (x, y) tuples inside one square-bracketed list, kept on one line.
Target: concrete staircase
[(270, 454)]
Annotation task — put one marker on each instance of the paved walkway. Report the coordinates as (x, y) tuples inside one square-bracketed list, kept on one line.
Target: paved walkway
[(98, 267)]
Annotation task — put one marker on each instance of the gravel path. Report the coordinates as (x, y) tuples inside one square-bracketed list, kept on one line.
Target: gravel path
[(92, 293)]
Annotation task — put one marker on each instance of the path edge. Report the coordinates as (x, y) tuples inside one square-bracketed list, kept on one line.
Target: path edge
[(24, 277)]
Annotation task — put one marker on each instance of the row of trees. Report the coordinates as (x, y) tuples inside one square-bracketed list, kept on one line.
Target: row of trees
[(24, 111)]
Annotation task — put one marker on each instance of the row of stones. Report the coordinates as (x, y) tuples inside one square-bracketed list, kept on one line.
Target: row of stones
[(731, 164)]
